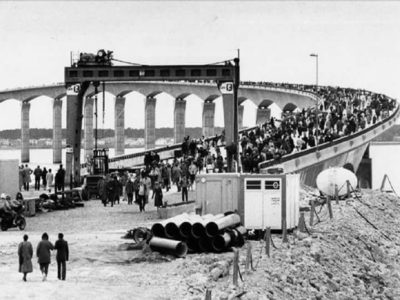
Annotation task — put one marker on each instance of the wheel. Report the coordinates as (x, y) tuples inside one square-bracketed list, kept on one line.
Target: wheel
[(3, 226), (21, 223)]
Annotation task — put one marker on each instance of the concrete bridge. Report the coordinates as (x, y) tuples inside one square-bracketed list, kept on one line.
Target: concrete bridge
[(346, 151), (262, 97)]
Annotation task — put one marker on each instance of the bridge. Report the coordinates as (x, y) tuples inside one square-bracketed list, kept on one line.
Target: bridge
[(262, 97), (347, 150)]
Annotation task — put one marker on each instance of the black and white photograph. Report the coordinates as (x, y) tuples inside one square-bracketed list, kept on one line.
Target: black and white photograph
[(199, 150)]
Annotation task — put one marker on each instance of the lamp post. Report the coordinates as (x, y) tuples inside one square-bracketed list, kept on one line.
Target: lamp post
[(316, 103)]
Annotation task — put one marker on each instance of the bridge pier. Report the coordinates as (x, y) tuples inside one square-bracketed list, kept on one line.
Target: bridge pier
[(179, 120), (240, 116), (74, 133), (263, 115), (208, 118), (88, 126), (57, 131), (25, 109), (150, 123), (119, 122), (227, 100)]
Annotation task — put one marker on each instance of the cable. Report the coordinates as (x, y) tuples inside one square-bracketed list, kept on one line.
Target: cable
[(369, 222), (220, 62), (129, 63)]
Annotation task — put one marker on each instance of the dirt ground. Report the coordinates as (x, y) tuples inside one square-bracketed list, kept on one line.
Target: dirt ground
[(341, 258)]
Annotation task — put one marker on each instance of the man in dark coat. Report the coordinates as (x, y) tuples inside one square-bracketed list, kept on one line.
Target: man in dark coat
[(112, 189), (59, 180), (38, 175), (62, 257)]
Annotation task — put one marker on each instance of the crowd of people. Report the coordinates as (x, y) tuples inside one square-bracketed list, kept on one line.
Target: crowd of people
[(43, 178), (340, 112), (149, 182)]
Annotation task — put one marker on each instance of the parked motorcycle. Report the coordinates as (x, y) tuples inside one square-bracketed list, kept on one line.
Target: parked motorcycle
[(8, 221)]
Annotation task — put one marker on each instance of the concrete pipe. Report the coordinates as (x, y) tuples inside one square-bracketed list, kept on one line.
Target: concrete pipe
[(238, 235), (158, 229), (231, 237), (214, 227), (199, 228), (172, 227), (192, 244), (204, 244), (185, 228), (177, 248), (222, 241)]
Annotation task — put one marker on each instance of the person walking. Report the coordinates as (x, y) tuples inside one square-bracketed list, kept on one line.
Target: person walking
[(38, 175), (184, 186), (144, 190), (129, 189), (102, 189), (49, 180), (157, 195), (192, 174), (43, 254), (136, 184), (27, 177), (60, 179), (112, 190), (44, 177), (176, 175), (62, 256), (25, 253)]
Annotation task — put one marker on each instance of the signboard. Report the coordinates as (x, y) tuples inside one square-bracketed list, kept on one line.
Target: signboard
[(73, 90), (226, 88), (69, 149)]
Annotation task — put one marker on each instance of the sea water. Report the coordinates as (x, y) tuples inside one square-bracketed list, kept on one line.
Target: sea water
[(44, 157)]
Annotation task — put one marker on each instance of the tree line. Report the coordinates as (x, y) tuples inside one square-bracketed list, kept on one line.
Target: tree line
[(44, 133)]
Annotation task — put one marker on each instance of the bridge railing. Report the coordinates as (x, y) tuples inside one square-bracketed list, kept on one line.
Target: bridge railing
[(285, 158), (253, 85), (161, 149)]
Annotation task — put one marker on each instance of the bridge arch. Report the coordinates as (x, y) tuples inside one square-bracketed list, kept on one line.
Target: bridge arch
[(290, 107), (349, 166)]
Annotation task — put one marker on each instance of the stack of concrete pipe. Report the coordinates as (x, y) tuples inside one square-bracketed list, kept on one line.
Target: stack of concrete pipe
[(198, 233)]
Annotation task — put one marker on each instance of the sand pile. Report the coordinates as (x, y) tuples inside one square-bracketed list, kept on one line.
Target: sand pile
[(355, 255)]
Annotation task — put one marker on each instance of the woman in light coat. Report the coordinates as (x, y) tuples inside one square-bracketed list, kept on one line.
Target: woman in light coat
[(25, 253)]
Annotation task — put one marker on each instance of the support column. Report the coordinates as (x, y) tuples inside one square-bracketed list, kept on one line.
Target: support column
[(240, 116), (227, 100), (25, 109), (119, 124), (263, 115), (150, 123), (208, 119), (57, 131), (88, 126), (74, 133), (179, 120)]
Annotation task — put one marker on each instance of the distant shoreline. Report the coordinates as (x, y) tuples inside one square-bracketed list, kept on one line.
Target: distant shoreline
[(3, 147)]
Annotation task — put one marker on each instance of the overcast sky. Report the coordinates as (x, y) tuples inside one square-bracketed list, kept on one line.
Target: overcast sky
[(357, 42)]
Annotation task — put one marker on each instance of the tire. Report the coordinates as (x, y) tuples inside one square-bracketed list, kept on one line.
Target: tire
[(21, 223), (3, 226)]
